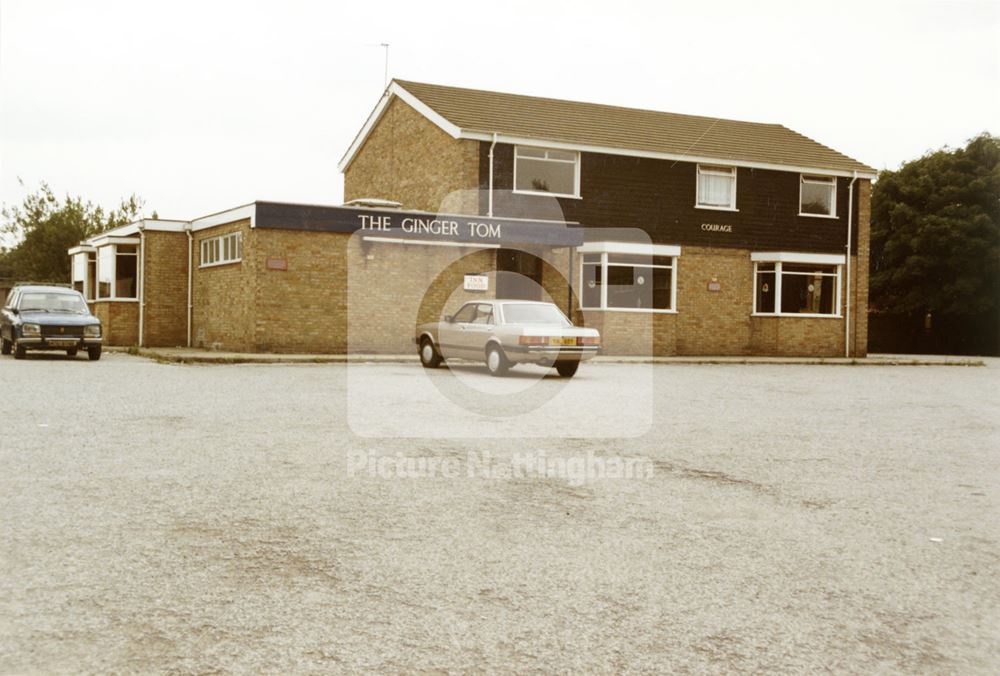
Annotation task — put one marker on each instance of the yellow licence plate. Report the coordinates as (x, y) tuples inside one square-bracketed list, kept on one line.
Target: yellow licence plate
[(61, 343), (562, 341)]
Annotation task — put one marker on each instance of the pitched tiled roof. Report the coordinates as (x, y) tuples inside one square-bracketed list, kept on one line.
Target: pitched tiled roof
[(627, 129)]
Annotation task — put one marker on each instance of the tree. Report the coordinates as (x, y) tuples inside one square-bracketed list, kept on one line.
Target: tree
[(935, 244), (43, 227)]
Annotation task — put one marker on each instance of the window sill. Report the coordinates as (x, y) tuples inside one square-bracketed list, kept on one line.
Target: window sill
[(795, 314), (218, 265), (711, 208), (114, 300), (834, 217), (629, 309), (547, 194)]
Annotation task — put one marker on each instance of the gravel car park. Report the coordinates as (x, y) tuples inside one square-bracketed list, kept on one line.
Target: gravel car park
[(162, 517)]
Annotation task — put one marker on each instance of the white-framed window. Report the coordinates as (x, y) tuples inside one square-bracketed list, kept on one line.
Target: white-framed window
[(118, 272), (544, 171), (222, 249), (85, 273), (803, 285), (818, 196), (716, 187), (628, 278)]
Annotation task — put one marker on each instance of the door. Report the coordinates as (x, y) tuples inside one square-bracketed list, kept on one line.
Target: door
[(451, 335), (519, 275), (477, 332)]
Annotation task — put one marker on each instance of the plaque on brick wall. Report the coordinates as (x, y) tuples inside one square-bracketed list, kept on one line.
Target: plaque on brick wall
[(277, 264), (715, 285), (477, 283)]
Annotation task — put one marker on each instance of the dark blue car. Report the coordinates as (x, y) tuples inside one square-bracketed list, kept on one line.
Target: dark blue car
[(48, 318)]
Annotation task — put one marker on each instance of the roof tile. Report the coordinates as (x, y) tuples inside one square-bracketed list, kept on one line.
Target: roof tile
[(615, 127)]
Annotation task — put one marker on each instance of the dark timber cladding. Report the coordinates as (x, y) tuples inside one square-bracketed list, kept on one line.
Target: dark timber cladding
[(416, 225), (658, 196)]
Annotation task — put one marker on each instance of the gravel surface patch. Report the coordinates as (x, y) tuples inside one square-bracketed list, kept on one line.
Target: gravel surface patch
[(164, 517)]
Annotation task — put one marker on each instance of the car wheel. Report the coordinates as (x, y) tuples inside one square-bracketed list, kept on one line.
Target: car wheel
[(71, 353), (496, 361), (567, 369), (5, 346), (19, 351), (94, 352), (429, 357)]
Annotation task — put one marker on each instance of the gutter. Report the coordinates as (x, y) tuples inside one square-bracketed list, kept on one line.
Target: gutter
[(187, 229), (142, 281), (847, 290), (489, 211)]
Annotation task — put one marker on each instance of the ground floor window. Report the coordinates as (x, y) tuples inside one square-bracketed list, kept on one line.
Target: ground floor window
[(612, 280), (118, 272), (85, 273), (790, 288), (222, 249)]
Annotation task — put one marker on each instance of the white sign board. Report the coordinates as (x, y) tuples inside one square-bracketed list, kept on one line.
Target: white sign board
[(477, 283)]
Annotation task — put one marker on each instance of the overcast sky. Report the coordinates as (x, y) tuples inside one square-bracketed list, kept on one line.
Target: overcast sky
[(201, 106)]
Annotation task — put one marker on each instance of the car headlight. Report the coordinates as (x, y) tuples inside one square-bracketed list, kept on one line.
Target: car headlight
[(93, 331), (31, 330)]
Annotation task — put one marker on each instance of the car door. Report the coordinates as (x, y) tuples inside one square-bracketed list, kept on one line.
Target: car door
[(451, 334), (478, 331), (7, 317)]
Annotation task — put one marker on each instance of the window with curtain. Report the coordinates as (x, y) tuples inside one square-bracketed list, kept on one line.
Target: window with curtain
[(716, 187)]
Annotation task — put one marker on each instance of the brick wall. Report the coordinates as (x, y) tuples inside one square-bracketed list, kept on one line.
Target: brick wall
[(393, 287), (408, 159), (225, 296), (301, 308), (119, 321), (715, 322), (165, 291), (308, 307), (860, 269)]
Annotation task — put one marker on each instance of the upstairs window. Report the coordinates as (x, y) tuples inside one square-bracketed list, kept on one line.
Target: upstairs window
[(546, 172), (716, 187), (818, 196), (222, 249)]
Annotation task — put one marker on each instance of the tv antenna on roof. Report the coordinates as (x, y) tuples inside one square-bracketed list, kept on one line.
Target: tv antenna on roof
[(386, 81)]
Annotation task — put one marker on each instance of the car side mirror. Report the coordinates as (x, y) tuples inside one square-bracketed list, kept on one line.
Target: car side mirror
[(15, 311), (450, 319)]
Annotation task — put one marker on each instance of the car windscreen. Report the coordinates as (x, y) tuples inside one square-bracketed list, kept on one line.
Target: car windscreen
[(41, 301), (533, 313)]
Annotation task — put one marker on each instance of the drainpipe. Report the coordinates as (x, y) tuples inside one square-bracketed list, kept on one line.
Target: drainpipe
[(187, 229), (142, 280), (847, 300), (489, 212)]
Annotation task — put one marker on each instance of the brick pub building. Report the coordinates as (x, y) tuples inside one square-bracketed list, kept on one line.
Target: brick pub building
[(754, 239)]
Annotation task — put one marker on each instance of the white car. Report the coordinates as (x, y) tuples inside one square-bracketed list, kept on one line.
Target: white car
[(507, 332)]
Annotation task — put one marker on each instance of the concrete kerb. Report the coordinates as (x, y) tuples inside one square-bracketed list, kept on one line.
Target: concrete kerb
[(195, 356)]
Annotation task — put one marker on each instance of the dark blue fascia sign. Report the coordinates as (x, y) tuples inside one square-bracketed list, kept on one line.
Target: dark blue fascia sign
[(416, 225)]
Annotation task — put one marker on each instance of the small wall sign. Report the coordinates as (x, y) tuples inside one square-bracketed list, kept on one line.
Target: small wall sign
[(715, 286), (716, 227), (277, 264), (477, 283)]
